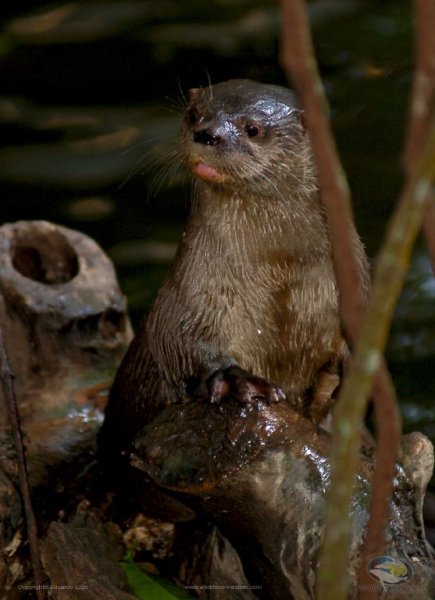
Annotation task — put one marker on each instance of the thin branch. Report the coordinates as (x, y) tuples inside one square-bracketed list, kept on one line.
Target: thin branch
[(388, 428), (429, 229), (297, 57), (423, 86), (422, 102), (392, 265), (421, 110), (32, 530)]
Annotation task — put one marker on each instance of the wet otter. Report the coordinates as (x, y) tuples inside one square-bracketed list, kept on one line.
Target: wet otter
[(249, 308)]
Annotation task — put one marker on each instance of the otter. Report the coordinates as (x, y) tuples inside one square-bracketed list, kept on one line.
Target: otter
[(249, 308)]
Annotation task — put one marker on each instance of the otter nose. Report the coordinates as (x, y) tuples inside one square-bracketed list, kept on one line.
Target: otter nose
[(207, 137)]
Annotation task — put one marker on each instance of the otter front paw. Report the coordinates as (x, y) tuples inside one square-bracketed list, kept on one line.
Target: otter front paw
[(235, 382)]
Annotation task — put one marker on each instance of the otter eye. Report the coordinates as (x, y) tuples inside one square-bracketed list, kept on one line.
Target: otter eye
[(253, 130)]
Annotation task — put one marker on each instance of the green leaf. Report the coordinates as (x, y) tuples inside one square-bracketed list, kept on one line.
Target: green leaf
[(149, 587)]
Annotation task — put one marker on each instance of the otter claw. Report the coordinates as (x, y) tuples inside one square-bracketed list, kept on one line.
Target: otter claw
[(243, 386)]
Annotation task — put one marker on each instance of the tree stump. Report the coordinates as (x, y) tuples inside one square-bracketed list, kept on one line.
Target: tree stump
[(66, 329)]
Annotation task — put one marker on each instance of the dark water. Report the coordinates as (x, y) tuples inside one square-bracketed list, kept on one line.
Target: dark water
[(88, 90)]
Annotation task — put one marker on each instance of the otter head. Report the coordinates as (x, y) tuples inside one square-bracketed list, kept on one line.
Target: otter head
[(242, 134)]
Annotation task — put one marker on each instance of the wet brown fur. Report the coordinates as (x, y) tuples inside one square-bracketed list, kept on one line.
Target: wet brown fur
[(253, 282)]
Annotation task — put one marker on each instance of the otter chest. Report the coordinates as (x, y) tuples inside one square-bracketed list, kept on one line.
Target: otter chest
[(251, 313)]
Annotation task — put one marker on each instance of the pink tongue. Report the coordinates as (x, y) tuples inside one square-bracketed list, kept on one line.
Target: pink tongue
[(204, 171)]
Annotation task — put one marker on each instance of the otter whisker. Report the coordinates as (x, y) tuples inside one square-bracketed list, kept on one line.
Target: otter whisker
[(182, 94), (177, 105), (164, 171), (135, 169)]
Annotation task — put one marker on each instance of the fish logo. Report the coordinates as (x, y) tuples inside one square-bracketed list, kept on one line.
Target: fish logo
[(389, 570)]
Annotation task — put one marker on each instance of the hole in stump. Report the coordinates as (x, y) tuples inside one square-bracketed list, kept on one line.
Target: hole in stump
[(44, 256)]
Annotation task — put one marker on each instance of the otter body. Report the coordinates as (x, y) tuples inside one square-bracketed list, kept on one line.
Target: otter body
[(249, 308)]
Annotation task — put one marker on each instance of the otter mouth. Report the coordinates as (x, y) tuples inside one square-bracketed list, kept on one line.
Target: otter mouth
[(206, 172)]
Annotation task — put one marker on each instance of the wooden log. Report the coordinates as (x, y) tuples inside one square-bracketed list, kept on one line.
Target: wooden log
[(82, 559), (66, 328), (260, 473), (64, 318)]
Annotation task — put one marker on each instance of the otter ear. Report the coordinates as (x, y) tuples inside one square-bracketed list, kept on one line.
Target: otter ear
[(193, 94), (300, 117)]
